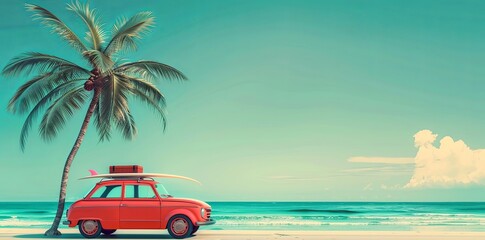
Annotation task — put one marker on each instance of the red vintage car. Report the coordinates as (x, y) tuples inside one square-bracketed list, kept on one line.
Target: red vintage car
[(134, 202)]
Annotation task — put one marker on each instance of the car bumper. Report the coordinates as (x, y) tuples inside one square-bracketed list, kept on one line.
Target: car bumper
[(208, 222), (66, 222)]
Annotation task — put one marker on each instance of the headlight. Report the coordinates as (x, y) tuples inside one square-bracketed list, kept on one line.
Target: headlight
[(202, 212)]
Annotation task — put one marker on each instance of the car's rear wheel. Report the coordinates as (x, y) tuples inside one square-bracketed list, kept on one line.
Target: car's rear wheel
[(180, 226), (108, 231), (195, 229), (90, 228)]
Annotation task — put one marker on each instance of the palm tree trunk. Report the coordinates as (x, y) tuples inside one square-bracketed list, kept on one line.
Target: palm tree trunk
[(62, 195)]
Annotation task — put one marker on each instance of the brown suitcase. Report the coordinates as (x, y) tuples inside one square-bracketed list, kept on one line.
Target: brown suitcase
[(126, 169)]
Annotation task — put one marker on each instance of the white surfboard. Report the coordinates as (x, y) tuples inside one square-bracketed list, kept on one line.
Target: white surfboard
[(139, 175)]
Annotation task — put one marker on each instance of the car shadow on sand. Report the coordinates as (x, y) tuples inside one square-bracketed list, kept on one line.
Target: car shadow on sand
[(114, 236)]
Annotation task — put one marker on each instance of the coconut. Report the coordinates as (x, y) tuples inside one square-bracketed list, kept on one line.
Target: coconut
[(89, 85)]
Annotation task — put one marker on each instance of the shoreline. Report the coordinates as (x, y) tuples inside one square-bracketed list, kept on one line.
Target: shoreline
[(73, 233)]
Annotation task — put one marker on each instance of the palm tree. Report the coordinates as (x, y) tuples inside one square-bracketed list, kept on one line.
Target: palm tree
[(62, 87)]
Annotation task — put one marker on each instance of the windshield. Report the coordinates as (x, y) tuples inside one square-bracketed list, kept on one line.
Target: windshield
[(162, 191), (91, 189)]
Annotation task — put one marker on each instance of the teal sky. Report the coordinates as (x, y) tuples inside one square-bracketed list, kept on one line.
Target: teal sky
[(281, 95)]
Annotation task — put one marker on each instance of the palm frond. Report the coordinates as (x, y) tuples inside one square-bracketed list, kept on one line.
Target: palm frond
[(38, 107), (31, 61), (13, 103), (120, 97), (113, 104), (105, 112), (151, 70), (126, 31), (99, 60), (146, 87), (90, 18), (33, 90), (103, 126), (106, 107), (127, 125), (151, 103), (60, 110), (57, 26)]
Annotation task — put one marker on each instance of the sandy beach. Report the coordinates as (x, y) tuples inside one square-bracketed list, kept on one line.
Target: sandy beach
[(12, 233)]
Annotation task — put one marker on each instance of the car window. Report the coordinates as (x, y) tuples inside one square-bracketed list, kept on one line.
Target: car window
[(139, 191), (110, 191)]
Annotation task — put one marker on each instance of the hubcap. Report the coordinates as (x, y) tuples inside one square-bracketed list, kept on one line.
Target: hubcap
[(90, 227), (180, 226)]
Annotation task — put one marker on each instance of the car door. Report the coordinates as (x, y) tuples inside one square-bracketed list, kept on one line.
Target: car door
[(104, 203), (140, 207)]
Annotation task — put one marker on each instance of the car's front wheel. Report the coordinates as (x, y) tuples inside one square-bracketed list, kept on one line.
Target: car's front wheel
[(195, 229), (90, 228), (108, 231), (180, 226)]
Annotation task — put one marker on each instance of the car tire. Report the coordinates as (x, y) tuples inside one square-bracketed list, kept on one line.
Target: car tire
[(195, 229), (90, 228), (180, 226), (108, 231)]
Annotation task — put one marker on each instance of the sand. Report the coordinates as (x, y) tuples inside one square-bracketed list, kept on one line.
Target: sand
[(15, 233)]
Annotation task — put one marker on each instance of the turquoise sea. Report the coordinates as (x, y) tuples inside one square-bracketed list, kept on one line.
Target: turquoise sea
[(335, 216)]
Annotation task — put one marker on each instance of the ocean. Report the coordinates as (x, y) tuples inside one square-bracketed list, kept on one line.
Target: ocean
[(333, 216)]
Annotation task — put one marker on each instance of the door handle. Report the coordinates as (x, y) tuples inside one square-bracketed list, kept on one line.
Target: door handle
[(122, 205)]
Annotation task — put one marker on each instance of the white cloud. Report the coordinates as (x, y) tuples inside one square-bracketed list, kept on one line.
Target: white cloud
[(452, 163), (395, 160), (424, 138)]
